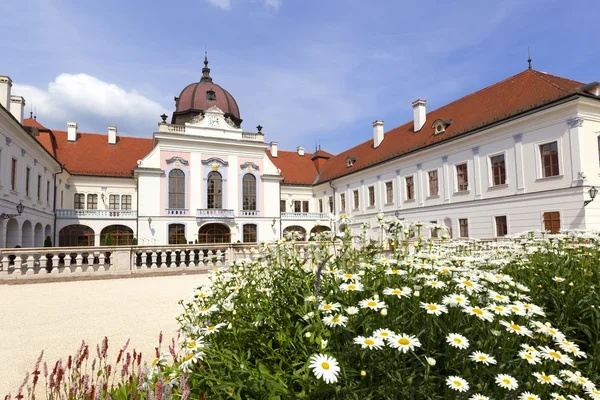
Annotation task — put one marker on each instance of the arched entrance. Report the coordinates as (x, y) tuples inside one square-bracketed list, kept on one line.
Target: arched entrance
[(121, 235), (319, 228), (13, 238), (290, 230), (27, 233), (48, 232), (214, 233), (76, 235), (38, 235)]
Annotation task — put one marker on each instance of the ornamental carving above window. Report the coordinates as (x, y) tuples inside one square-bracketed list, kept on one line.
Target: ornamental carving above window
[(249, 166)]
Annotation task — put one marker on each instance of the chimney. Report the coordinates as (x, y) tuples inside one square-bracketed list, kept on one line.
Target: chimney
[(5, 88), (300, 150), (71, 131), (419, 113), (17, 107), (274, 149), (377, 133), (112, 135)]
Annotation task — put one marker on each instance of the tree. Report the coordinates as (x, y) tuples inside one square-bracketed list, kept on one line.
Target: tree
[(48, 242), (109, 240)]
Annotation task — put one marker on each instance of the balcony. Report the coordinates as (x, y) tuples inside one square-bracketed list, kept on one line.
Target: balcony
[(96, 214), (177, 211), (164, 127), (250, 213), (214, 214), (304, 216)]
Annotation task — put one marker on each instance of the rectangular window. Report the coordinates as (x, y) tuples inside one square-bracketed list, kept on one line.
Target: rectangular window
[(27, 174), (250, 233), (463, 225), (501, 226), (92, 201), (462, 178), (297, 206), (410, 188), (433, 183), (13, 175), (48, 192), (330, 204), (320, 205), (113, 202), (371, 196), (305, 206), (552, 221), (498, 170), (549, 154), (342, 202), (389, 192), (356, 202), (281, 205), (39, 188), (78, 201), (177, 234), (126, 202)]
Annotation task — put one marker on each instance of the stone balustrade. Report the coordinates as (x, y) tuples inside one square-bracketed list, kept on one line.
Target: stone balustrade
[(214, 213), (305, 216), (96, 214), (164, 127)]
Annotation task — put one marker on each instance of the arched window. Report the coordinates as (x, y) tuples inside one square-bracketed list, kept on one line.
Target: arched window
[(76, 235), (177, 234), (295, 232), (176, 189), (249, 192), (215, 190), (121, 235), (214, 233)]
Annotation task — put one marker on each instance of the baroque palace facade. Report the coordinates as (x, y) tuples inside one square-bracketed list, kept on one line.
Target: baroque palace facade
[(520, 154)]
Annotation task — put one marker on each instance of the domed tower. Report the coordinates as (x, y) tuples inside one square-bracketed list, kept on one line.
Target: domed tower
[(198, 97)]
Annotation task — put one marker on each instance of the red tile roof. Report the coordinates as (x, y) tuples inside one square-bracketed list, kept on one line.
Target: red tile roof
[(91, 154), (519, 93), (296, 169)]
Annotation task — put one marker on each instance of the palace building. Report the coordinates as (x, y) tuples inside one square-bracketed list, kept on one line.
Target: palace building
[(520, 154)]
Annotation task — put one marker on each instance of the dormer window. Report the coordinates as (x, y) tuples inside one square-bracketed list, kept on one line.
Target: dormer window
[(350, 161), (211, 95), (440, 125)]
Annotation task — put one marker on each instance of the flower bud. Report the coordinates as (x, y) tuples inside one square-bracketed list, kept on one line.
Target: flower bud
[(230, 326), (324, 343), (363, 373), (307, 334), (570, 283), (431, 361), (417, 293), (384, 311)]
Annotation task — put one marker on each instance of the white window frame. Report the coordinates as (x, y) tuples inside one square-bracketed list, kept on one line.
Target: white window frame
[(414, 188), (539, 170), (458, 236), (507, 216), (391, 181), (455, 168), (490, 173), (437, 170)]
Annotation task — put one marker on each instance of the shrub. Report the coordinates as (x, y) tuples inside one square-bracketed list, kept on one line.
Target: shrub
[(109, 240), (48, 242)]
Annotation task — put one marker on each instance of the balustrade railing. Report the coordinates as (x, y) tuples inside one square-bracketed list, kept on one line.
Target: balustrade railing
[(214, 213), (304, 215), (164, 127), (177, 211), (96, 214), (250, 213), (259, 137)]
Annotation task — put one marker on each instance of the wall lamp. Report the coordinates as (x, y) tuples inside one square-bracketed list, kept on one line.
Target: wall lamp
[(20, 208), (397, 214), (149, 220), (593, 192), (273, 223)]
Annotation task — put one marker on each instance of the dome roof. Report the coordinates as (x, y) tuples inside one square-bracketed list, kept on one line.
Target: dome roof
[(202, 95)]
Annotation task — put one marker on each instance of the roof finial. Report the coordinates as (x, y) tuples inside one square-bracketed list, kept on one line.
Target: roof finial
[(529, 57), (35, 112), (206, 71)]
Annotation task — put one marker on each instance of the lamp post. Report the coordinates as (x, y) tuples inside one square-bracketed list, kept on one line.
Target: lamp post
[(592, 192), (20, 208)]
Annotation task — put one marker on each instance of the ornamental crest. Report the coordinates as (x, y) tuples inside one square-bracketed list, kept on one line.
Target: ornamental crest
[(198, 118), (215, 166), (249, 166), (177, 162)]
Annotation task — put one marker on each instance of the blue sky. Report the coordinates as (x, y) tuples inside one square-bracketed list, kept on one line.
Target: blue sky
[(306, 70)]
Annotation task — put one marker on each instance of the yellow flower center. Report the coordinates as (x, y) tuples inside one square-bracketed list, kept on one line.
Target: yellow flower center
[(370, 342), (555, 355), (457, 340), (500, 309), (327, 307), (528, 356), (394, 271), (325, 365), (396, 291), (211, 328), (336, 319), (348, 276), (155, 361), (546, 378), (482, 358), (468, 283), (189, 356), (477, 311), (351, 287), (515, 327), (371, 304), (457, 383), (431, 307), (404, 341), (384, 334), (192, 344), (506, 381), (205, 309)]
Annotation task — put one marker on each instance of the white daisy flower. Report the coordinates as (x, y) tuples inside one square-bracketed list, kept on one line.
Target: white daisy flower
[(352, 310), (392, 271), (371, 342), (469, 285), (329, 307), (404, 292), (457, 383), (351, 287), (404, 342), (435, 309), (435, 284), (506, 382), (547, 379), (514, 328), (593, 393), (531, 358), (528, 396), (213, 328), (498, 309), (384, 333), (208, 310), (457, 340), (480, 313), (455, 300), (558, 279), (557, 396), (350, 277), (189, 361), (481, 357), (372, 303), (478, 396), (554, 355), (337, 320), (324, 367)]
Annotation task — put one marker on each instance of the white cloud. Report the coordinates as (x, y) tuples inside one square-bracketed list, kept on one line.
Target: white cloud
[(273, 3), (93, 104), (224, 4)]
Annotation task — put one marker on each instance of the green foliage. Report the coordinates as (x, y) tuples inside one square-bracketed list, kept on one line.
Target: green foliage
[(48, 242), (109, 240)]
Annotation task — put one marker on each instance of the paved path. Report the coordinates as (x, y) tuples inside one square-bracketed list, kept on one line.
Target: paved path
[(55, 317)]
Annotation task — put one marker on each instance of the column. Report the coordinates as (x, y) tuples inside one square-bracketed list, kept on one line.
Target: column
[(577, 150), (398, 190), (420, 185), (520, 172), (477, 171), (446, 180)]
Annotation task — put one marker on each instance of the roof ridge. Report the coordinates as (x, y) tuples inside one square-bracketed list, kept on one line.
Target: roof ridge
[(540, 74)]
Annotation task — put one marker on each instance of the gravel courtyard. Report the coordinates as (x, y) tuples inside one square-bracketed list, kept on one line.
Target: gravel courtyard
[(55, 317)]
